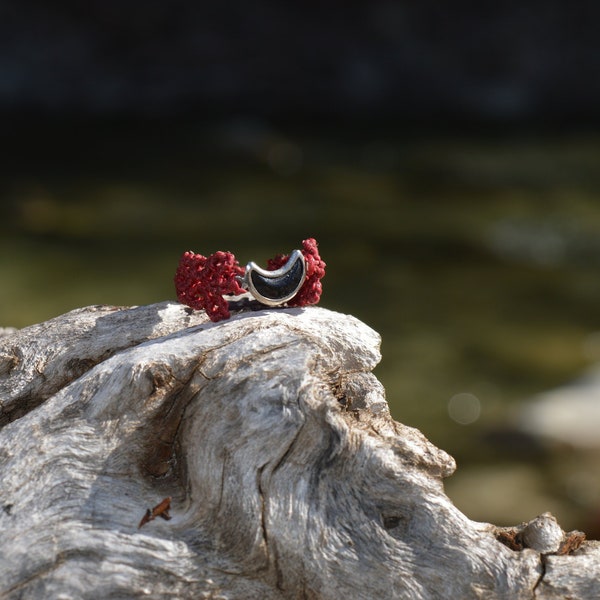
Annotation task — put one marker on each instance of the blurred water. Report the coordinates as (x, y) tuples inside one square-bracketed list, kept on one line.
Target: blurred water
[(475, 258)]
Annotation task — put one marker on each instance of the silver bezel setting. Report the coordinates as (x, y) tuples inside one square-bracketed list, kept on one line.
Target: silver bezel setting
[(275, 278)]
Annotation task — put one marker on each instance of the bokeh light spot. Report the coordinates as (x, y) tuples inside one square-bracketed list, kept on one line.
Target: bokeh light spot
[(464, 408)]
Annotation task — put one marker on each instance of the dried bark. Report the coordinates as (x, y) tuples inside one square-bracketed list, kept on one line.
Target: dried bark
[(286, 475)]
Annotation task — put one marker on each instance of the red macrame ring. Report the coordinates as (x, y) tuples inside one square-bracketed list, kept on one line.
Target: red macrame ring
[(290, 279)]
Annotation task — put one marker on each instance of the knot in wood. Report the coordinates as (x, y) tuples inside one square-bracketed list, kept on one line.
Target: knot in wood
[(543, 534)]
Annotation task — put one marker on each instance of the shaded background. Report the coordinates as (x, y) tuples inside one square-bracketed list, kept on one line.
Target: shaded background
[(447, 161)]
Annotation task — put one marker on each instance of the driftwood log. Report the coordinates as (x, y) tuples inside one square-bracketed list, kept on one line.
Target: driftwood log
[(147, 452)]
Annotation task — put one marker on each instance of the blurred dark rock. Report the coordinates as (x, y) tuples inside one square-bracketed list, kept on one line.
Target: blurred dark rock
[(503, 62)]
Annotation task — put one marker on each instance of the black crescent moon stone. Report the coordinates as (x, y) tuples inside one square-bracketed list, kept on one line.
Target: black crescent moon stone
[(276, 288)]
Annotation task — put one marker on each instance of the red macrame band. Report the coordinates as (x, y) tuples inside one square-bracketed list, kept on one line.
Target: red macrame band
[(202, 282)]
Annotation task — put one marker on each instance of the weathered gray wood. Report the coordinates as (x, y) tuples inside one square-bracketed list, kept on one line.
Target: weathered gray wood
[(287, 475)]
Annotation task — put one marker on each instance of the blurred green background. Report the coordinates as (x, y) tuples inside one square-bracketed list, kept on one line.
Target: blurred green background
[(471, 244)]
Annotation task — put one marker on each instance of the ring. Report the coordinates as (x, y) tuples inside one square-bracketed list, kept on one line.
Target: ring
[(211, 283), (279, 286)]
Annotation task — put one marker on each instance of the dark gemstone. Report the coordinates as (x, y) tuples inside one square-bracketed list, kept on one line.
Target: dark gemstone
[(276, 288)]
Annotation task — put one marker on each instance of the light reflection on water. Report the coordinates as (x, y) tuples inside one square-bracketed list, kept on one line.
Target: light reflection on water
[(475, 259)]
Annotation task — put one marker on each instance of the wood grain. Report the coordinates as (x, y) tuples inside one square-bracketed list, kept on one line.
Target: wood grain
[(287, 476)]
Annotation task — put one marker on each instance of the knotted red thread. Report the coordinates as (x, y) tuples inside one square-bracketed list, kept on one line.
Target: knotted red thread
[(201, 282), (310, 292)]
